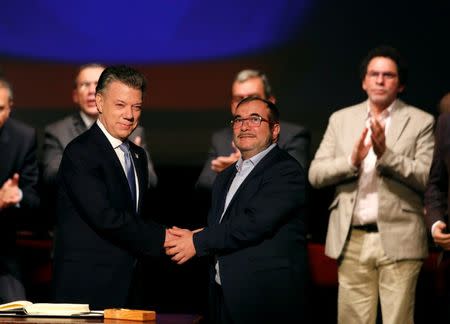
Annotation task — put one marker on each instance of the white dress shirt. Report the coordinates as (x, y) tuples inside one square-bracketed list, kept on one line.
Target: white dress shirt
[(366, 206), (115, 143)]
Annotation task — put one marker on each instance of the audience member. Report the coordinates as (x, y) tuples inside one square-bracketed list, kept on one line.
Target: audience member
[(58, 134), (102, 180), (18, 191), (294, 139), (437, 204), (377, 154), (444, 104), (256, 227)]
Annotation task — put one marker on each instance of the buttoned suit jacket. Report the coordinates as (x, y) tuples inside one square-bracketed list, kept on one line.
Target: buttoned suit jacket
[(260, 242), (293, 138), (58, 134), (437, 195), (402, 174), (99, 233)]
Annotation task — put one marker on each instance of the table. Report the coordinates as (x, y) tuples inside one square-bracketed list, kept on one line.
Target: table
[(160, 319)]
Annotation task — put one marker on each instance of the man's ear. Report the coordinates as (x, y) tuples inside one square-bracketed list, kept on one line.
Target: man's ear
[(275, 132), (99, 103)]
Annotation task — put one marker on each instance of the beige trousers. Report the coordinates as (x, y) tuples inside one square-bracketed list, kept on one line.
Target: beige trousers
[(366, 273)]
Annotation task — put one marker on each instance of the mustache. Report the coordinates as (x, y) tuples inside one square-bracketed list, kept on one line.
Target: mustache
[(245, 134)]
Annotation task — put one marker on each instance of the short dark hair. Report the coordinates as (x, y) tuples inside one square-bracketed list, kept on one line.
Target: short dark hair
[(124, 74), (391, 53), (274, 113), (86, 66)]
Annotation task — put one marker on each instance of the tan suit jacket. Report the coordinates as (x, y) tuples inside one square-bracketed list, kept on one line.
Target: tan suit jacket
[(402, 175)]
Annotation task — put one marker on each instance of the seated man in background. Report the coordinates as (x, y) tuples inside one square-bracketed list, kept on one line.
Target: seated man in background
[(58, 134), (293, 138), (18, 190)]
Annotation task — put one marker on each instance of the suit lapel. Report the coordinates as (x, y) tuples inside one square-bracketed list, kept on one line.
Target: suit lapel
[(257, 170), (105, 146), (399, 120), (224, 183)]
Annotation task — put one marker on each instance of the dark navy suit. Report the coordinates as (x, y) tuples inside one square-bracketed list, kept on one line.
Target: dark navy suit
[(99, 234), (260, 243)]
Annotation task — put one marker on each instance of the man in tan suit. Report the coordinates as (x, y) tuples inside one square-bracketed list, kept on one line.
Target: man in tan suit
[(377, 154)]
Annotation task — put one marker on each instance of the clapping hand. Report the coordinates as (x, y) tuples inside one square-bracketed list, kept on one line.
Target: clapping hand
[(378, 138), (360, 149), (10, 193), (222, 162)]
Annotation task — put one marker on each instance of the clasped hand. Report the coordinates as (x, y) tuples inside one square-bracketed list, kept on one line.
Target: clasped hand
[(179, 244)]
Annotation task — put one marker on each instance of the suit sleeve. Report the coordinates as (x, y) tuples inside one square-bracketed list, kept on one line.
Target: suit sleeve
[(207, 175), (86, 188), (411, 171), (436, 194), (327, 168), (298, 146), (29, 174), (279, 198), (51, 156)]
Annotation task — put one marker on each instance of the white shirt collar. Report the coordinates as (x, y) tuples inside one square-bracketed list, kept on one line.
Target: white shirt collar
[(256, 158), (115, 142)]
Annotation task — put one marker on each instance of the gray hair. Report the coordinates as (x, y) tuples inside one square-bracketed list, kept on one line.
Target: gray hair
[(247, 74)]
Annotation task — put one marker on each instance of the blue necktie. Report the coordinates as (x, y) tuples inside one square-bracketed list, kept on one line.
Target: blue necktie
[(129, 170)]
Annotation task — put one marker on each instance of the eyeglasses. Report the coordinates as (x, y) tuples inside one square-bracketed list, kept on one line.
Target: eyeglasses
[(252, 121), (86, 85), (384, 75)]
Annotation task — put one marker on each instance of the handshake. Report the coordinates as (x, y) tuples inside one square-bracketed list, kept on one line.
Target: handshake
[(179, 244)]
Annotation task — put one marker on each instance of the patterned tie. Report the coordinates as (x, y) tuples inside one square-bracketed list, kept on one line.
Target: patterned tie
[(129, 170)]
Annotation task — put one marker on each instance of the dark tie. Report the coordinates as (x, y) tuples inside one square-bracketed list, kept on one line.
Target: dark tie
[(129, 170)]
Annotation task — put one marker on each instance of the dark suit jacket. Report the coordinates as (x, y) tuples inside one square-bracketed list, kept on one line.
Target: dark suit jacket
[(294, 139), (99, 235), (17, 154), (260, 242), (58, 134), (437, 194)]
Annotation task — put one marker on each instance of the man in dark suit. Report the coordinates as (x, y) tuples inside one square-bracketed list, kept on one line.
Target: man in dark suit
[(18, 191), (256, 227), (437, 202), (58, 134), (294, 139), (102, 181)]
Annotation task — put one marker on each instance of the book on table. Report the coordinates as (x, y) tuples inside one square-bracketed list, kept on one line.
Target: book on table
[(24, 307)]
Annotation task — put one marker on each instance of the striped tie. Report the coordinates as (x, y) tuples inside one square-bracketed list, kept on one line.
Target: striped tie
[(129, 170)]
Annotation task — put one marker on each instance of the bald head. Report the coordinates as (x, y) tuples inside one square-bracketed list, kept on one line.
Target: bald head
[(444, 104)]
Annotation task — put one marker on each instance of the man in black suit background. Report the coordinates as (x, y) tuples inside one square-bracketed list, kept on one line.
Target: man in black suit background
[(437, 206), (295, 139), (100, 231), (256, 227), (58, 134), (18, 191)]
